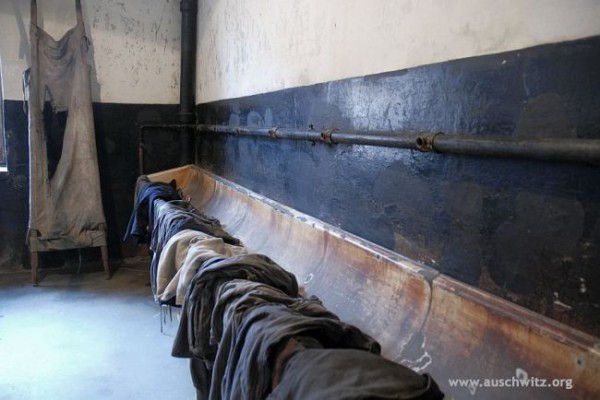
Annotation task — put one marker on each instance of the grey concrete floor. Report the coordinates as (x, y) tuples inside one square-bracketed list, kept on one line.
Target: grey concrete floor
[(79, 336)]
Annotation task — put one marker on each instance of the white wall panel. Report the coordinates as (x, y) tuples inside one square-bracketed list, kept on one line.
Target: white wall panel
[(255, 46), (135, 42)]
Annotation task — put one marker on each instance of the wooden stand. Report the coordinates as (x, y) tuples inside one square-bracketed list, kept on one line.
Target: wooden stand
[(35, 264)]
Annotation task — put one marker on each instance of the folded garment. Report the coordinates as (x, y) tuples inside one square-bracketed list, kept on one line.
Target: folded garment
[(236, 297), (193, 334), (243, 365), (233, 299), (182, 256), (141, 220), (171, 259), (334, 374), (173, 217)]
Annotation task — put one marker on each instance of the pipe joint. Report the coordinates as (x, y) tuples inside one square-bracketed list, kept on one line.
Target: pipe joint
[(326, 135), (273, 133), (426, 143)]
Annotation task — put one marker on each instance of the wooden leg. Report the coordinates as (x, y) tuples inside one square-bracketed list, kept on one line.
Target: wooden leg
[(34, 267), (104, 251)]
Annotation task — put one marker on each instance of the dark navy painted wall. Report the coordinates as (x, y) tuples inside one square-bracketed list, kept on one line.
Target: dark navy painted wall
[(528, 231), (14, 189), (117, 145)]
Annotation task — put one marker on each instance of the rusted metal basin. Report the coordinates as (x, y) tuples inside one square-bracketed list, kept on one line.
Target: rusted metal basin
[(422, 319)]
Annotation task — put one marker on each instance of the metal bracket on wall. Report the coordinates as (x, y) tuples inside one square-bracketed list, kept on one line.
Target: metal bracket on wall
[(326, 135), (273, 133), (427, 143)]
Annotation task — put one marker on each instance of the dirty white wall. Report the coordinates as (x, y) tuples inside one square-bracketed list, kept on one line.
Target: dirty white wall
[(254, 46), (135, 42), (248, 47)]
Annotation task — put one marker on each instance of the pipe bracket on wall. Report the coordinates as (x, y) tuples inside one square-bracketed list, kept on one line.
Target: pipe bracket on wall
[(426, 143), (326, 135), (273, 133)]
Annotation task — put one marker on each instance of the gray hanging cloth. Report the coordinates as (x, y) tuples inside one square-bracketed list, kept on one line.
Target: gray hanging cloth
[(65, 210)]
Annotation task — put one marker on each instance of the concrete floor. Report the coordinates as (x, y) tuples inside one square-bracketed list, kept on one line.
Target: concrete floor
[(79, 336)]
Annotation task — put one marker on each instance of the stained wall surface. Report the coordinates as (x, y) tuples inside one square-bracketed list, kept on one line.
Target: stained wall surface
[(135, 45), (260, 46), (250, 47), (527, 231)]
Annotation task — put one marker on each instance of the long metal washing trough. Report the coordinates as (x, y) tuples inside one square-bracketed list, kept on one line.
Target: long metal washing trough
[(423, 319)]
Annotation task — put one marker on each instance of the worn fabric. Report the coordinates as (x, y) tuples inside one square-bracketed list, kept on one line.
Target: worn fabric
[(200, 378), (142, 217), (344, 374), (173, 217), (65, 210), (251, 325), (171, 260), (243, 369), (233, 299), (284, 350), (236, 298), (239, 318), (193, 334), (180, 259)]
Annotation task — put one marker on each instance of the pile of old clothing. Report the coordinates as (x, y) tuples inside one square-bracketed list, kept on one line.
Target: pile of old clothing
[(169, 223), (142, 217), (246, 328), (250, 335), (171, 218), (181, 257)]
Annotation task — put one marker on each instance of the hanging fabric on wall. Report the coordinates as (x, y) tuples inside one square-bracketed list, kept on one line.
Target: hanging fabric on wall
[(65, 206)]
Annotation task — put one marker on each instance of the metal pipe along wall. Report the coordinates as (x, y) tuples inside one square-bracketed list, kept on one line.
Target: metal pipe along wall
[(543, 149), (187, 99)]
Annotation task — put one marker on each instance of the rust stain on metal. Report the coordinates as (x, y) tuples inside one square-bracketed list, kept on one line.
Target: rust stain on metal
[(426, 320)]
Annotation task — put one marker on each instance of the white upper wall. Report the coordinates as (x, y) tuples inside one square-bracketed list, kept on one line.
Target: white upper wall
[(247, 47), (135, 43), (254, 46)]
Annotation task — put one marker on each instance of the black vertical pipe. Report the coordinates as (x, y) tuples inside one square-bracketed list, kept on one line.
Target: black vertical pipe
[(187, 98)]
